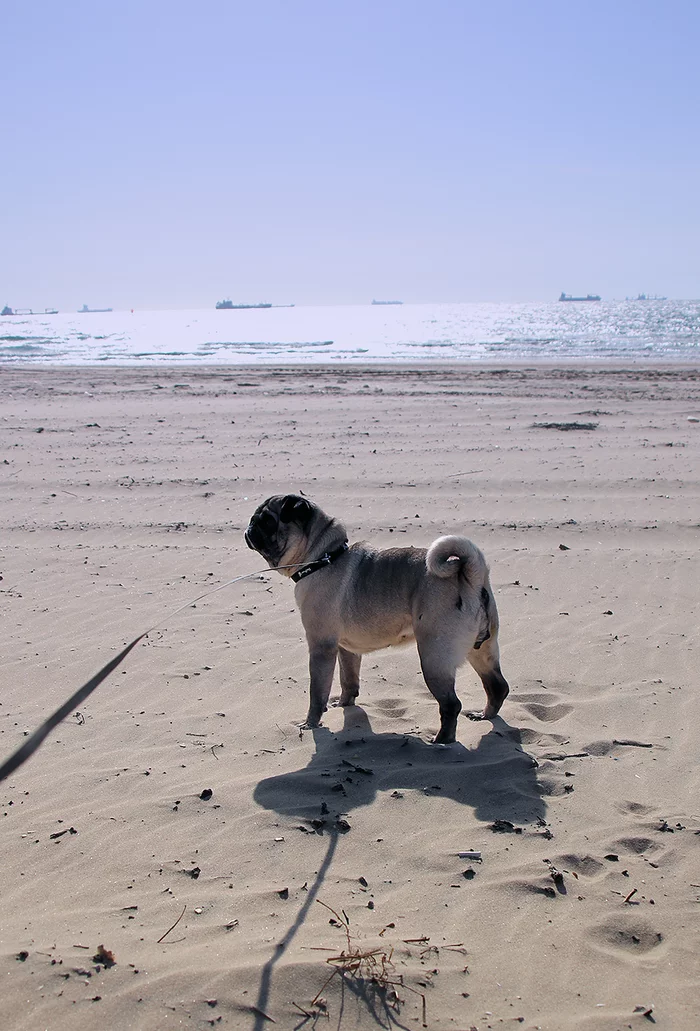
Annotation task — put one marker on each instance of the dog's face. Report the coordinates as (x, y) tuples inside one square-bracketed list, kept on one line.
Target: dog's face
[(278, 530)]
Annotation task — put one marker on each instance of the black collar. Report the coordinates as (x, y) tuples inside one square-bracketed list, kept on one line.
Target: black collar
[(325, 560)]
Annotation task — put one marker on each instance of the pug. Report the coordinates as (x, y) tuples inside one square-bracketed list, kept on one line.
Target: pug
[(355, 599)]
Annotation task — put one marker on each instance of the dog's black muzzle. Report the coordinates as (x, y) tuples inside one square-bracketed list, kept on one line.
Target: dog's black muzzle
[(253, 538), (257, 540)]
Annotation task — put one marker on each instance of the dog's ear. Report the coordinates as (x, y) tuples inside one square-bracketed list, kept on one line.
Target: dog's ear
[(296, 509)]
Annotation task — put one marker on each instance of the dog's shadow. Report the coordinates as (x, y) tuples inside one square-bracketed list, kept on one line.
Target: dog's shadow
[(350, 768), (498, 779)]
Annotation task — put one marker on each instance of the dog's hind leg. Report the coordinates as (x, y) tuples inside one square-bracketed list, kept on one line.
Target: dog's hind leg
[(439, 674), (349, 676), (486, 662)]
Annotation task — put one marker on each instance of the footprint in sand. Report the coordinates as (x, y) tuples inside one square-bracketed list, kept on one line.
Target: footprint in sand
[(634, 846), (528, 736), (625, 935), (552, 783), (542, 886), (390, 707), (545, 707), (607, 747), (598, 748), (635, 808), (561, 875), (583, 866)]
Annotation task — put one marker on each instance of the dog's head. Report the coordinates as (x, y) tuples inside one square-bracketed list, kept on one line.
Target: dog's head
[(279, 530)]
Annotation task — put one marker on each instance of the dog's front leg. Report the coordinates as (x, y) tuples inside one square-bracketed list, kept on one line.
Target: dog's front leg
[(322, 657)]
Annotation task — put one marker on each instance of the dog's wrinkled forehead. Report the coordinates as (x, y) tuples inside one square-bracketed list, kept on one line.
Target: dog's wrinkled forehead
[(282, 508), (263, 529), (266, 516)]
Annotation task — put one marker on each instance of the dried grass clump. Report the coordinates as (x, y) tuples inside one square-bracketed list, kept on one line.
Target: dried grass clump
[(373, 966)]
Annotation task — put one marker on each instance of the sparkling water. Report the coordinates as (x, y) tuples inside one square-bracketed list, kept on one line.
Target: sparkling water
[(361, 334)]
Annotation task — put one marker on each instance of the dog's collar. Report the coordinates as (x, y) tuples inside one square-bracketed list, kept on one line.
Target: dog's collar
[(325, 560)]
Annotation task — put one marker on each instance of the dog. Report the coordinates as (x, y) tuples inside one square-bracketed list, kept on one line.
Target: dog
[(355, 599)]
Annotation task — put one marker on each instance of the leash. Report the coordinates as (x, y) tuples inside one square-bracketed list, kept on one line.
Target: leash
[(29, 747)]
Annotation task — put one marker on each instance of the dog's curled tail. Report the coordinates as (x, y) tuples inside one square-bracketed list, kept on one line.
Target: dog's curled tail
[(448, 556)]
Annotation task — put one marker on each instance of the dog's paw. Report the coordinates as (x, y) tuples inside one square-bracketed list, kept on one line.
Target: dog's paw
[(440, 740)]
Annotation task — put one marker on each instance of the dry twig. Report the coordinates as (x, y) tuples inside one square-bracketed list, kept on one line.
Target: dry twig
[(174, 925), (373, 965)]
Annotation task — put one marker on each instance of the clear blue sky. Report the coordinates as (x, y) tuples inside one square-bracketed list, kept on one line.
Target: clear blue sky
[(166, 154)]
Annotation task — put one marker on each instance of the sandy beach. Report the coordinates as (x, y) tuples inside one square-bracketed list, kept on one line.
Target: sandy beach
[(183, 795)]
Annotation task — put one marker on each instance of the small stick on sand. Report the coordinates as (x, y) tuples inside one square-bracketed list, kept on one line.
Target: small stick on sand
[(261, 1013), (469, 854), (628, 897), (307, 1013), (174, 925)]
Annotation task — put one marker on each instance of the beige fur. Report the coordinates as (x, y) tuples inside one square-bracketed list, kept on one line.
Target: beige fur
[(367, 599)]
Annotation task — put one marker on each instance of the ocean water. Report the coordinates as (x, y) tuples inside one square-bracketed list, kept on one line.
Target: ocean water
[(361, 334)]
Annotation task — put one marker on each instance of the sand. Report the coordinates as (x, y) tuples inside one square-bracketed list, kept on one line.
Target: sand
[(126, 493)]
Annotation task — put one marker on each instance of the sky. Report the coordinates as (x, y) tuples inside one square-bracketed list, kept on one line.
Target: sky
[(169, 154)]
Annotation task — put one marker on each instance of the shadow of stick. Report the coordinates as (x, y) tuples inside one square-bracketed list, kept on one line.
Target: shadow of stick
[(282, 946)]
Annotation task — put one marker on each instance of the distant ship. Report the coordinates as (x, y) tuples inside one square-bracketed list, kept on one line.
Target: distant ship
[(387, 302), (588, 297), (28, 311), (227, 305), (84, 309), (646, 297)]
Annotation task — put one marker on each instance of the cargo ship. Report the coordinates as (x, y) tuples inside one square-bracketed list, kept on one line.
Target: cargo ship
[(27, 311), (387, 302), (570, 297), (228, 305), (85, 309)]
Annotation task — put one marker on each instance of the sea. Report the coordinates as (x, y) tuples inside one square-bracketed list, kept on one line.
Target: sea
[(614, 331)]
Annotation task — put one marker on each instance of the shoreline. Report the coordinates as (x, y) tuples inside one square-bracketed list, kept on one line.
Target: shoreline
[(602, 364), (349, 370)]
